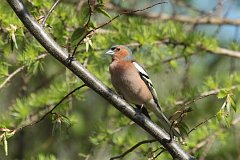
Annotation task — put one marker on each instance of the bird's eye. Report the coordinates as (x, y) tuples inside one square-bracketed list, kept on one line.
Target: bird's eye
[(117, 49)]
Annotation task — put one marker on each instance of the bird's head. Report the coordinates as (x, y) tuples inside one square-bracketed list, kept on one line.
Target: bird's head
[(120, 52)]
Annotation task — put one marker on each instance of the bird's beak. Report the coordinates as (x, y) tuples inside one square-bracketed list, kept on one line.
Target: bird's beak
[(109, 52)]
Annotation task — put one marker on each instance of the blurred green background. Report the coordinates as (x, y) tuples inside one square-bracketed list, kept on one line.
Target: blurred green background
[(187, 60)]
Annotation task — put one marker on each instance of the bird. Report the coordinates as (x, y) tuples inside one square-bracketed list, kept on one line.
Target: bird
[(133, 84)]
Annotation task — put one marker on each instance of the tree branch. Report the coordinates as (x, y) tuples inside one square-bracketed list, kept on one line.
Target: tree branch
[(203, 95), (49, 12), (110, 21), (8, 79), (217, 51), (91, 81), (132, 148), (201, 123), (46, 111), (179, 18), (204, 141)]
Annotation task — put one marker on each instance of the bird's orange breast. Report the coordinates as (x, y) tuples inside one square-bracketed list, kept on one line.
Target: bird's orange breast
[(127, 82)]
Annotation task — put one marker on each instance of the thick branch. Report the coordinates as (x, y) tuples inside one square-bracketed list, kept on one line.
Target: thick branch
[(91, 81)]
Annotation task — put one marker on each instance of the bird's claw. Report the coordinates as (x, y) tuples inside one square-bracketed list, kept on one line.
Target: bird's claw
[(70, 59), (141, 108)]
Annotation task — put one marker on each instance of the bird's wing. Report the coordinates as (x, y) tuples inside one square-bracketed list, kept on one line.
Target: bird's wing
[(144, 76)]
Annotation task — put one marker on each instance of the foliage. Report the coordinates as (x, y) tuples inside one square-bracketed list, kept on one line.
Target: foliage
[(183, 63)]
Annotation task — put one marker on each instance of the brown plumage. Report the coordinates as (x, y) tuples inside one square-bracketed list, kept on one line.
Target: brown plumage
[(132, 82)]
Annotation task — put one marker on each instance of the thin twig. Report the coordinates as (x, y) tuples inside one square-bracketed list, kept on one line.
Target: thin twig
[(132, 148), (85, 26), (203, 95), (48, 110), (189, 7), (204, 141), (104, 24), (65, 97), (90, 13), (207, 148), (49, 12), (194, 128), (163, 150), (172, 58), (8, 79), (207, 120), (216, 51), (179, 18), (80, 5)]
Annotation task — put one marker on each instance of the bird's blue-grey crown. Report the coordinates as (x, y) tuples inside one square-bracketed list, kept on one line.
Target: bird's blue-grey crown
[(114, 49)]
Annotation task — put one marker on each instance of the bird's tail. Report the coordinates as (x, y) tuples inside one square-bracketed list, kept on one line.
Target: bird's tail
[(168, 127)]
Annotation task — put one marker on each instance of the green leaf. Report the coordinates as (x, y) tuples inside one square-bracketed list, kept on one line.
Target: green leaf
[(100, 1), (210, 83), (5, 143), (57, 126), (4, 69), (78, 34), (220, 115), (173, 64), (232, 103), (88, 43), (12, 32), (101, 10), (222, 94)]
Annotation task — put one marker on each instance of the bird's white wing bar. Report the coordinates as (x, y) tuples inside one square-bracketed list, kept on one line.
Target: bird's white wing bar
[(147, 81), (140, 68), (143, 74)]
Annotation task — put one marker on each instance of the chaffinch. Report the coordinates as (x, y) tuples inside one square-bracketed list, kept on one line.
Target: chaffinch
[(132, 82)]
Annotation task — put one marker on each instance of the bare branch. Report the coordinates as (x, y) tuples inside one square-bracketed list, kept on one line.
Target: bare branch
[(36, 118), (39, 116), (207, 148), (104, 24), (204, 122), (217, 51), (49, 12), (179, 18), (85, 27), (202, 143), (203, 95), (132, 148), (80, 5), (225, 52), (91, 81), (163, 150), (8, 79), (205, 141)]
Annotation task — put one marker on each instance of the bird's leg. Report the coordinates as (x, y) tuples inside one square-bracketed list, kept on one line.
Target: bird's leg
[(141, 107), (168, 140), (170, 134), (70, 59), (143, 110)]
